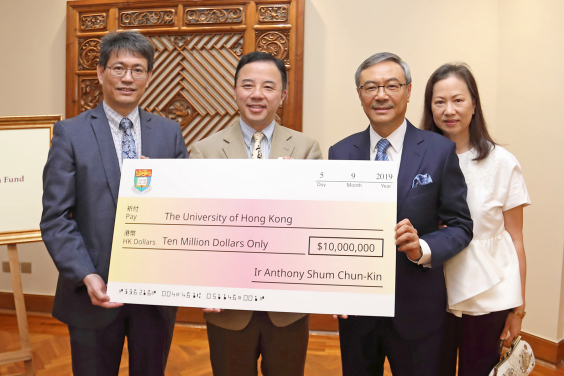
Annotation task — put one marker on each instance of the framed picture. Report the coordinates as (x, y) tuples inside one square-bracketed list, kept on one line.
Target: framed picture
[(24, 146)]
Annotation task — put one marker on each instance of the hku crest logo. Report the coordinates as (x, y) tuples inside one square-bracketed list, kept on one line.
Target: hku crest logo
[(142, 181)]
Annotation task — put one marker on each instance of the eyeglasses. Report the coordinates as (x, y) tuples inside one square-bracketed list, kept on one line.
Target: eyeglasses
[(370, 90), (137, 73)]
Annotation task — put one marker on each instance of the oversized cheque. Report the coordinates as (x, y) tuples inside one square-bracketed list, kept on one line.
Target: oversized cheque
[(269, 235)]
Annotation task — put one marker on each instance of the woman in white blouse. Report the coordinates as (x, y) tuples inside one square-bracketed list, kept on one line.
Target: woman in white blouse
[(486, 281)]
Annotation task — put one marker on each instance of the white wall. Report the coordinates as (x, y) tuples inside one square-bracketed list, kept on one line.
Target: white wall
[(32, 82), (513, 46), (530, 98), (32, 67)]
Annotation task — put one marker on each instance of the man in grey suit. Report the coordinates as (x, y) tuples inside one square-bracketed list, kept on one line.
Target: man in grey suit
[(81, 182), (238, 338)]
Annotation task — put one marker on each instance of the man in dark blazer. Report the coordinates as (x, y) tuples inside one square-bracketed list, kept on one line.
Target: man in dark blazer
[(431, 191), (81, 182)]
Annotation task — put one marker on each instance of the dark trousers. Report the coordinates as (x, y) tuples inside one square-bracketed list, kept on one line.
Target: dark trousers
[(367, 341), (236, 352), (97, 352), (477, 340)]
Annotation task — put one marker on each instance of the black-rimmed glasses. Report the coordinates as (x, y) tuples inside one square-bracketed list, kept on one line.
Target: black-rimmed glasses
[(137, 73)]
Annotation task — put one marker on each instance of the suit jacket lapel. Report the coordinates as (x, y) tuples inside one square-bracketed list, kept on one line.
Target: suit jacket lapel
[(234, 144), (110, 162), (147, 135), (282, 145), (362, 146), (411, 158)]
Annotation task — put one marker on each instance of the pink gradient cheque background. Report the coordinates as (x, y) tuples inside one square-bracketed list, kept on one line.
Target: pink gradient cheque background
[(163, 265)]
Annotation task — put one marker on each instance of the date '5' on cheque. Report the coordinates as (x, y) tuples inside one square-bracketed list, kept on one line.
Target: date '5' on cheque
[(336, 246)]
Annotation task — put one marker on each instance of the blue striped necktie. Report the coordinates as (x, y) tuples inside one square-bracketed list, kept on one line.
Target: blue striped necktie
[(128, 150), (381, 148)]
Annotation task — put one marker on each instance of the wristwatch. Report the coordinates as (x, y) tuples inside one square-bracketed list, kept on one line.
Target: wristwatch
[(521, 315)]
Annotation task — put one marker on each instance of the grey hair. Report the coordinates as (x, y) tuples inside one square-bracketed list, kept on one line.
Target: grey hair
[(378, 58), (130, 41)]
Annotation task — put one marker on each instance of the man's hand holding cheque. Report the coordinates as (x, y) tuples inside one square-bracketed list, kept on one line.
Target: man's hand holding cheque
[(407, 240), (97, 291)]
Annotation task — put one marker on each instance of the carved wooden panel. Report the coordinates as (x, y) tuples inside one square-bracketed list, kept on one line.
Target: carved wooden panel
[(214, 15), (198, 45), (90, 93), (147, 18), (192, 81), (88, 53), (276, 43), (93, 22), (273, 13)]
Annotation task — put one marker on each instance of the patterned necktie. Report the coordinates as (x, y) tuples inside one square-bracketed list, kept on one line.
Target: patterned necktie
[(381, 147), (127, 141), (257, 152)]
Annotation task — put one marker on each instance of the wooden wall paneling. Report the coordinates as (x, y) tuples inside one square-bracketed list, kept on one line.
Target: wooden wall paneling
[(198, 45), (249, 44), (71, 95), (194, 80), (298, 10)]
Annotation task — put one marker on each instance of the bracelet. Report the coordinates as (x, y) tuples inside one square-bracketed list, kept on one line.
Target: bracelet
[(521, 315)]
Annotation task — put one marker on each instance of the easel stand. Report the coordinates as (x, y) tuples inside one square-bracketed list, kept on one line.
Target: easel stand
[(38, 132), (23, 355)]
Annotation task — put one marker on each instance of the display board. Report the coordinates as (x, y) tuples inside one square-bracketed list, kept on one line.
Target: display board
[(24, 146)]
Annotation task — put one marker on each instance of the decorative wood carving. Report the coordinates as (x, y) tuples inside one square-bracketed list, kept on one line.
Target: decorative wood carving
[(279, 115), (90, 22), (195, 90), (89, 53), (180, 40), (213, 15), (90, 93), (179, 109), (273, 14), (155, 17), (237, 48), (276, 43), (198, 45)]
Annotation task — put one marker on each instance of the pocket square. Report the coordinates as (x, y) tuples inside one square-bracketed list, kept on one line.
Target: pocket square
[(421, 179)]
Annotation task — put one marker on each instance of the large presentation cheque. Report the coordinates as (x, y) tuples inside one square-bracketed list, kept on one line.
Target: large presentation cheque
[(273, 235)]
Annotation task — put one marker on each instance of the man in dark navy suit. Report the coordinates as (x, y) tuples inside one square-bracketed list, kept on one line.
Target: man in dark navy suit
[(81, 181), (431, 190)]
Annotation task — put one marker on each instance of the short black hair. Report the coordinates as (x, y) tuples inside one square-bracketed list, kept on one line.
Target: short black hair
[(263, 56), (130, 41)]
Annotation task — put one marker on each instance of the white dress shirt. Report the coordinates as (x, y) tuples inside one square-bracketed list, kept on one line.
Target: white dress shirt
[(265, 143), (394, 154), (114, 119)]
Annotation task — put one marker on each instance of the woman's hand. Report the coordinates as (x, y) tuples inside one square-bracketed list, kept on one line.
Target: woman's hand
[(513, 222), (513, 326)]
